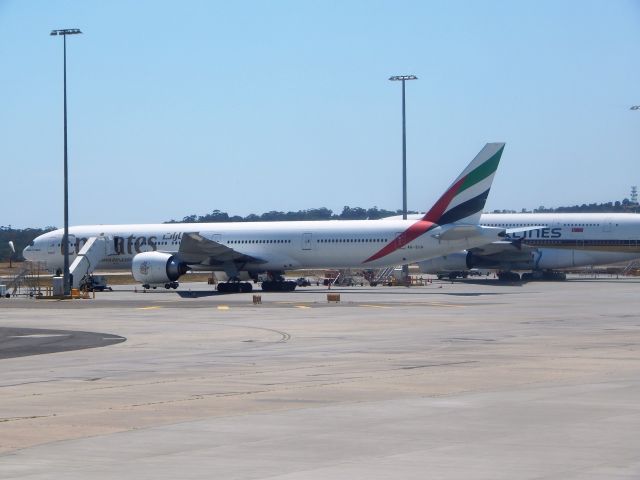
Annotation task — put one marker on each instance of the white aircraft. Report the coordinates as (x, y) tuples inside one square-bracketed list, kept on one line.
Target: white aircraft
[(159, 254), (566, 240)]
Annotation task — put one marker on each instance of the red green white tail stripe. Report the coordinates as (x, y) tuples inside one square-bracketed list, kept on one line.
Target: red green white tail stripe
[(465, 198), (462, 203)]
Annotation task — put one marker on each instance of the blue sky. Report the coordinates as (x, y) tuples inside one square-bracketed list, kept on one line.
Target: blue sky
[(179, 108)]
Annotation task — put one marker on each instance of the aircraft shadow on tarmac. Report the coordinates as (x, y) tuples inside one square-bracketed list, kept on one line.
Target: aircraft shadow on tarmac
[(200, 293), (374, 291), (22, 342)]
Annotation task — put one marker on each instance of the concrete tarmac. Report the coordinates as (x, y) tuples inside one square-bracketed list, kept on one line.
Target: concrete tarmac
[(452, 380)]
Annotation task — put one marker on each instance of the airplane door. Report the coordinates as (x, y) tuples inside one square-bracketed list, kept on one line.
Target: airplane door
[(72, 245), (52, 247), (307, 241), (606, 225)]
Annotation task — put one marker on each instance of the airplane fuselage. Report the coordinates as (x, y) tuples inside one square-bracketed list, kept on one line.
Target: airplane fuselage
[(567, 240), (576, 239), (281, 245)]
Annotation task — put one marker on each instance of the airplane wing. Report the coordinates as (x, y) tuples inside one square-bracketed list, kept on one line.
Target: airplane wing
[(196, 249), (502, 247), (511, 231), (457, 232)]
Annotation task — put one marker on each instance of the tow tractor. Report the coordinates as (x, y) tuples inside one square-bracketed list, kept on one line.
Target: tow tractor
[(94, 283)]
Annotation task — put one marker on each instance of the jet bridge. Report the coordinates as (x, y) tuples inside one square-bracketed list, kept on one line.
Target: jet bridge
[(88, 258)]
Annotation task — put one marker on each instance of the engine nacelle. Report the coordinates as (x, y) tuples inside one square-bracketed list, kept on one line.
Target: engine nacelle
[(454, 262), (156, 268), (549, 258)]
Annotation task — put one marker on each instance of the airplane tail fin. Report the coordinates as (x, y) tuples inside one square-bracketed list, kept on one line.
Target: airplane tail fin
[(465, 198)]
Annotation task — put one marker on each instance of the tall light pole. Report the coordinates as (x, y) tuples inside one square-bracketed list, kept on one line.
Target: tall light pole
[(403, 79), (65, 237)]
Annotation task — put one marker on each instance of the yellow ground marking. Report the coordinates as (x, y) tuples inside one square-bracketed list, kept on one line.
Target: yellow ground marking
[(302, 306), (374, 306), (153, 307), (223, 307), (294, 303), (434, 304)]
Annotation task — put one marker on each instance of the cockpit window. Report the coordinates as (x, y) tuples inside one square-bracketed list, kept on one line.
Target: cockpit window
[(32, 243)]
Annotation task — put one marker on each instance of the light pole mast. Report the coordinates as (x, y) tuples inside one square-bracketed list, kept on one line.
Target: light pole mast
[(403, 79), (65, 237)]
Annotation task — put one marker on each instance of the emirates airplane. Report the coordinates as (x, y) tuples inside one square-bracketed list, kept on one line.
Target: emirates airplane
[(158, 254)]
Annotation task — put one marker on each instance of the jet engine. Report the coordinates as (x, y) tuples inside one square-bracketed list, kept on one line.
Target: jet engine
[(551, 258), (153, 268), (454, 262)]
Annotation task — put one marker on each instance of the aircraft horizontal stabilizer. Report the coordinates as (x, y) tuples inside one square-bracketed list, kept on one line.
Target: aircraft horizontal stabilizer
[(510, 231), (459, 232)]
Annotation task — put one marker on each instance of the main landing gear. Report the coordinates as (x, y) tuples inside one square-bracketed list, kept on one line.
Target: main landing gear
[(506, 276), (277, 283), (279, 286)]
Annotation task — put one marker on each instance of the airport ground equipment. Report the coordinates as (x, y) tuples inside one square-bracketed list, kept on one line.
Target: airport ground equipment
[(333, 297), (381, 276), (346, 277), (19, 278), (27, 281), (631, 268), (94, 283), (88, 258)]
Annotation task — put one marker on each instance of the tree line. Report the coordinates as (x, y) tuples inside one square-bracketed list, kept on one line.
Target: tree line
[(348, 213), (624, 206), (21, 237)]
